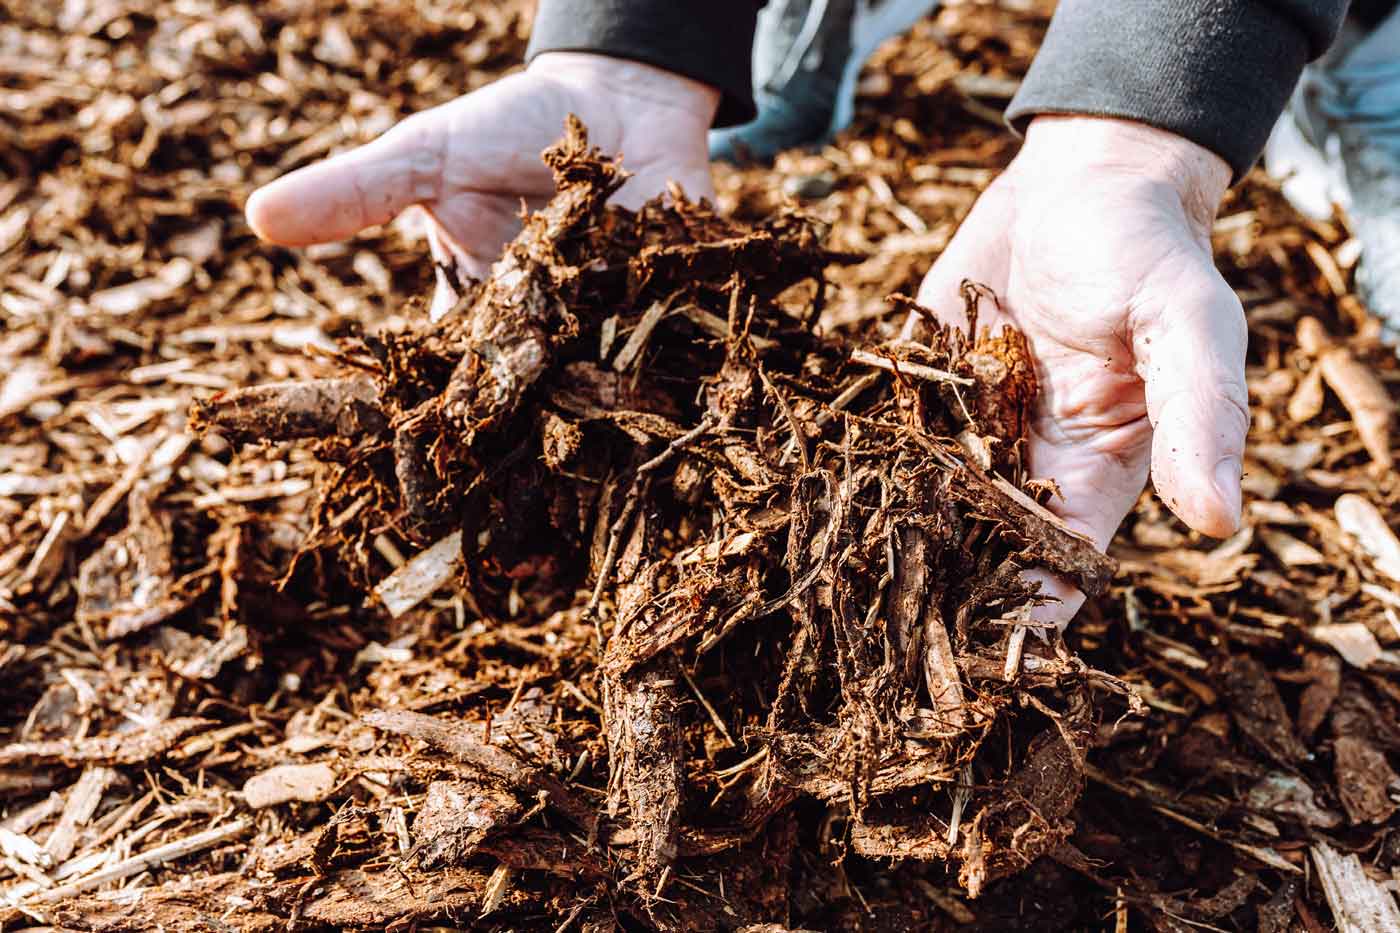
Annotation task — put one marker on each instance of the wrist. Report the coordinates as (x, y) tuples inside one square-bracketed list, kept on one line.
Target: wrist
[(656, 89), (1130, 150)]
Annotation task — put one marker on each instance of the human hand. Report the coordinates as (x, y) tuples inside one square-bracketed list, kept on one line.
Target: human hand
[(469, 163), (1096, 239)]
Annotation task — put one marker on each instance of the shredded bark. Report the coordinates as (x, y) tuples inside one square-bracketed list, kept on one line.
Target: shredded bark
[(661, 585)]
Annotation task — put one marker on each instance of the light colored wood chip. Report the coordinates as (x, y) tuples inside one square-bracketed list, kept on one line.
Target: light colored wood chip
[(1352, 640), (418, 579), (77, 812), (1363, 521), (149, 859), (1359, 905), (21, 848), (1289, 550), (637, 340), (134, 296), (308, 783), (496, 889)]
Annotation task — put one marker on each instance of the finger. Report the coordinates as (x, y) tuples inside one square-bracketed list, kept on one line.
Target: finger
[(336, 198), (979, 252), (449, 267), (1063, 600), (1191, 359), (1097, 489)]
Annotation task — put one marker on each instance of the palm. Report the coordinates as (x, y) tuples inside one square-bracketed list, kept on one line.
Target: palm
[(472, 162), (1139, 345)]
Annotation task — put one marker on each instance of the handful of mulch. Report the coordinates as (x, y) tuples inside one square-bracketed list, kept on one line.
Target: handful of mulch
[(801, 559)]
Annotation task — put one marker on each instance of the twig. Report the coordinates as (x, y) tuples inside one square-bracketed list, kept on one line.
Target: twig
[(146, 860), (906, 368), (793, 426), (838, 404), (714, 715), (624, 520)]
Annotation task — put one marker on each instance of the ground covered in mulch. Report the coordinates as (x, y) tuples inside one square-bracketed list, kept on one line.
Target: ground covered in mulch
[(658, 586)]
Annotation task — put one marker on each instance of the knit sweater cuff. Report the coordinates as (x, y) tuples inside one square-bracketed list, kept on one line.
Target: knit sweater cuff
[(1217, 73), (711, 42)]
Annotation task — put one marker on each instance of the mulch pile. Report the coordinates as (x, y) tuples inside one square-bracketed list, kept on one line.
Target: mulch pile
[(658, 585)]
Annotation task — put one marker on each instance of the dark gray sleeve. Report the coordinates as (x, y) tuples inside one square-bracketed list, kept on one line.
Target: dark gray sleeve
[(710, 41), (1218, 72)]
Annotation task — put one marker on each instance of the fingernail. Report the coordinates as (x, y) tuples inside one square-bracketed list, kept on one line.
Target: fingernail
[(1227, 481)]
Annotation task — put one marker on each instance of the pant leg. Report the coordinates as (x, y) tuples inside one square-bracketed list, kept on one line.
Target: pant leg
[(1371, 12)]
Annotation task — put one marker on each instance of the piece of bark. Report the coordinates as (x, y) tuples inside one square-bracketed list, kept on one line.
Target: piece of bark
[(1029, 816), (1365, 780), (919, 837), (118, 748), (466, 746), (907, 596), (456, 817), (308, 783), (645, 747), (1044, 534), (1277, 914), (514, 321), (1359, 905), (128, 584), (1319, 695), (284, 411), (1290, 796), (1257, 709)]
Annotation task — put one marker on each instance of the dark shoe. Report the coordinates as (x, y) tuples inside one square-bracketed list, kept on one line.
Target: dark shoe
[(807, 58)]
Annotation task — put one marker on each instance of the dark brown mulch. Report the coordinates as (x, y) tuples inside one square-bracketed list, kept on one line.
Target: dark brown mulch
[(217, 722)]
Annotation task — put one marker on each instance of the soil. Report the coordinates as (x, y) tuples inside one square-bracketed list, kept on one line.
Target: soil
[(659, 585)]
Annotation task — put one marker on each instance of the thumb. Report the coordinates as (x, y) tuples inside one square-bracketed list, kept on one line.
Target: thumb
[(1191, 355), (336, 198)]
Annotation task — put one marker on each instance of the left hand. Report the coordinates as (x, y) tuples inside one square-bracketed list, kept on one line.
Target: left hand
[(471, 163), (1096, 240)]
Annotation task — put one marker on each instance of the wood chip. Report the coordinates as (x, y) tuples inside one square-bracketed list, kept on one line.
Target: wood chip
[(308, 783), (1362, 520), (1352, 640), (119, 748), (1359, 905), (78, 811), (147, 860), (418, 579)]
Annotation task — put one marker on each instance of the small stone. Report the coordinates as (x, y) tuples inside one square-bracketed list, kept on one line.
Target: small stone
[(809, 187)]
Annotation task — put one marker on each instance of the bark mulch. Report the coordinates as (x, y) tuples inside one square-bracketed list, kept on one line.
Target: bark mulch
[(658, 585)]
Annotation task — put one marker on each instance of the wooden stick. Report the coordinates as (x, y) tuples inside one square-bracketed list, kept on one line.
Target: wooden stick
[(624, 520), (150, 859), (906, 368)]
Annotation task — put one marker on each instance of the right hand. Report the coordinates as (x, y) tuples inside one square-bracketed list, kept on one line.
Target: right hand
[(470, 163), (1096, 241)]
